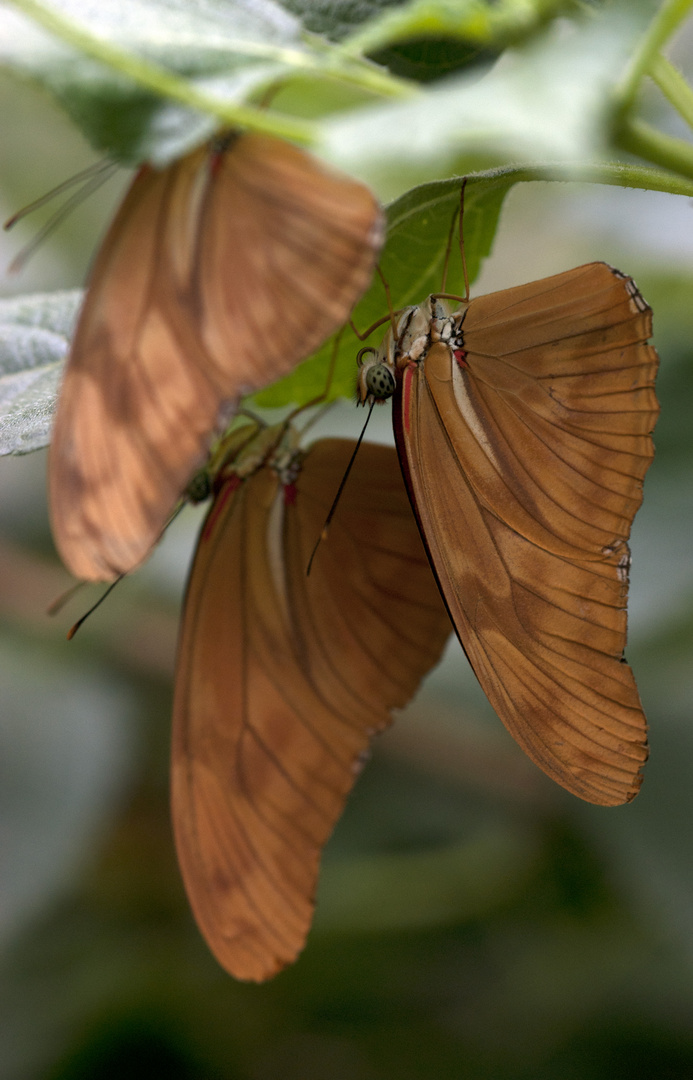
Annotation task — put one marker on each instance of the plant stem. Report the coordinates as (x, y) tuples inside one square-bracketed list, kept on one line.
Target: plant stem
[(663, 25), (611, 173), (673, 85), (614, 174), (162, 82), (640, 138), (168, 85)]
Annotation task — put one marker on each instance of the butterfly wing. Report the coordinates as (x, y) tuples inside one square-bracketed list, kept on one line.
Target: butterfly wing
[(307, 239), (282, 679), (218, 275), (526, 468), (136, 406)]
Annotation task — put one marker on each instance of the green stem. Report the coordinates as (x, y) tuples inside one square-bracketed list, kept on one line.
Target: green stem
[(673, 85), (645, 141), (163, 83), (369, 77), (611, 173), (614, 174), (345, 67), (663, 25)]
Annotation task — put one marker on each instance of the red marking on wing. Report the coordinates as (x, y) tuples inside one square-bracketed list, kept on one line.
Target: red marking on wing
[(406, 397), (220, 502)]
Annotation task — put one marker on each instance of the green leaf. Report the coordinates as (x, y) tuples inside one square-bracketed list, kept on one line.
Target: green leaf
[(198, 39), (149, 79), (336, 19), (494, 23), (35, 337), (425, 40), (35, 330), (370, 25), (412, 265), (547, 101), (225, 50)]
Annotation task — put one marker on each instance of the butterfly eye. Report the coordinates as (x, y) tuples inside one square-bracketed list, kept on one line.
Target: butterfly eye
[(200, 487), (380, 381), (376, 379)]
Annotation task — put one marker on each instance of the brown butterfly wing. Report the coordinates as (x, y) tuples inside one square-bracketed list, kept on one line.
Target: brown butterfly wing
[(282, 680), (123, 442), (526, 469), (218, 275), (305, 258)]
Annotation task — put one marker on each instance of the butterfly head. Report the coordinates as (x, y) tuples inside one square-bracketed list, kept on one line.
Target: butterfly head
[(376, 377), (200, 487), (287, 457), (406, 344)]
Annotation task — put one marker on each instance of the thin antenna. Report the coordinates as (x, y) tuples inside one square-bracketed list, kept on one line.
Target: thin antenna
[(71, 633), (60, 601), (90, 180), (464, 259), (448, 249), (335, 501), (79, 178), (442, 295)]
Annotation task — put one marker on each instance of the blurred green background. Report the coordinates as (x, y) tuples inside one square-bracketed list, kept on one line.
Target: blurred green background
[(473, 919)]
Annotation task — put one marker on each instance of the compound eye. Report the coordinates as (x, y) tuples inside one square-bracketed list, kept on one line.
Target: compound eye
[(200, 487), (380, 381)]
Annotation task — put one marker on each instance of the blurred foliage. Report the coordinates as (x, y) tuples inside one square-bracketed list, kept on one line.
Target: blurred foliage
[(151, 78), (473, 920)]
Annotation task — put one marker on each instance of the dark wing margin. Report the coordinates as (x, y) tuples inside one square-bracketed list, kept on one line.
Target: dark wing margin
[(282, 680), (526, 470)]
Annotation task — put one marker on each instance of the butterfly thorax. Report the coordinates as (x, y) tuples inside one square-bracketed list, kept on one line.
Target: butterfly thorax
[(245, 450), (407, 343), (276, 446)]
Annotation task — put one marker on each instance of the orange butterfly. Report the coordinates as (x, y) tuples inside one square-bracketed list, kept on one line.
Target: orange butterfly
[(282, 679), (523, 423), (218, 275)]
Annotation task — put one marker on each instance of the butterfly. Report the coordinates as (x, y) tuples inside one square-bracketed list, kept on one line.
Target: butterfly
[(282, 679), (218, 275), (523, 423)]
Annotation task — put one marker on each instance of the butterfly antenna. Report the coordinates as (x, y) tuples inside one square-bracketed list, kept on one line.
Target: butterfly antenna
[(464, 258), (71, 633), (60, 601), (81, 177), (459, 213), (448, 249), (335, 501), (89, 181)]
